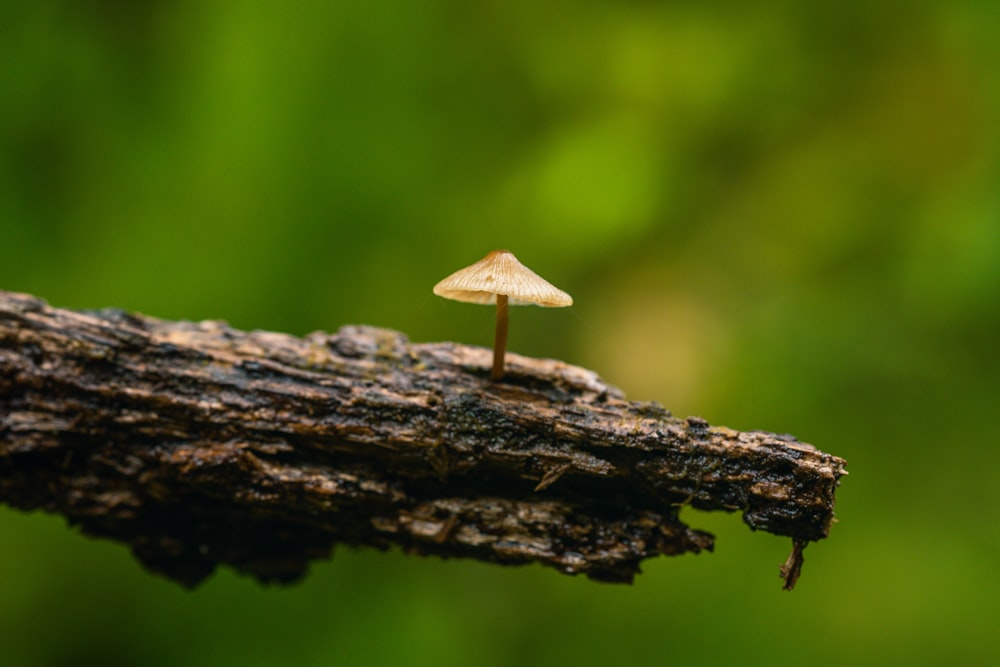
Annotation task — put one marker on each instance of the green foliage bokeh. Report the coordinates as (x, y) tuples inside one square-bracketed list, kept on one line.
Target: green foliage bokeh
[(780, 216)]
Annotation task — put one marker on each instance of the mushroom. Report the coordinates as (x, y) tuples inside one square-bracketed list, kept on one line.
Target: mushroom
[(499, 278)]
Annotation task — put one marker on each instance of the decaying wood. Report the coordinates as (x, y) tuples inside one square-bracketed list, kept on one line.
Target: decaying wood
[(199, 445)]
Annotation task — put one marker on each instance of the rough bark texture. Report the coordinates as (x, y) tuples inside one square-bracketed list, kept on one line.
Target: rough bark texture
[(200, 445)]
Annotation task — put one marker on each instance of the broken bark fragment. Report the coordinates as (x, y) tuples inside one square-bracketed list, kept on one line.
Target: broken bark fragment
[(198, 445)]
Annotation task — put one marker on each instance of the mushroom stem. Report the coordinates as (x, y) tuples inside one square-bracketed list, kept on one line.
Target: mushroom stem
[(500, 341)]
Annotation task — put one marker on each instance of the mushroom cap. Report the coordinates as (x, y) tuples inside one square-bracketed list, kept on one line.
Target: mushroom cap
[(500, 273)]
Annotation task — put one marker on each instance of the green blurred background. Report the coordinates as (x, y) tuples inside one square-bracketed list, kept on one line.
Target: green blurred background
[(780, 216)]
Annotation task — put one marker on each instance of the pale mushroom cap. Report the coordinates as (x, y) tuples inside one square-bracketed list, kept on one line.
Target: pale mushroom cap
[(500, 273)]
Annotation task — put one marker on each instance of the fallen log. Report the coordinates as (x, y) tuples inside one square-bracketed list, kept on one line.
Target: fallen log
[(198, 445)]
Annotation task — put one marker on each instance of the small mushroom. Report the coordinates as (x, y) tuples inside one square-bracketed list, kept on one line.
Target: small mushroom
[(499, 278)]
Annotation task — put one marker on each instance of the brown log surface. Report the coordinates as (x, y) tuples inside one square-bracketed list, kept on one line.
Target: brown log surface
[(198, 445)]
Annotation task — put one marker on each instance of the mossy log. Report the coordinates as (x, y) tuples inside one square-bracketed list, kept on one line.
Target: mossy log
[(198, 445)]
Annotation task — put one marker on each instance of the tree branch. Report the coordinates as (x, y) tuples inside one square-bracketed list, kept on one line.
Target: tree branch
[(199, 445)]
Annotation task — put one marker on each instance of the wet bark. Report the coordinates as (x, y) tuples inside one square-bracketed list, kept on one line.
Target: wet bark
[(198, 445)]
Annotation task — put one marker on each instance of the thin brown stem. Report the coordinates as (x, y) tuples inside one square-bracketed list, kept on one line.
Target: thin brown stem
[(500, 341)]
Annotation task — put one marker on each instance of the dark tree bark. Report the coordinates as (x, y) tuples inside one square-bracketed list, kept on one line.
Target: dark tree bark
[(199, 445)]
